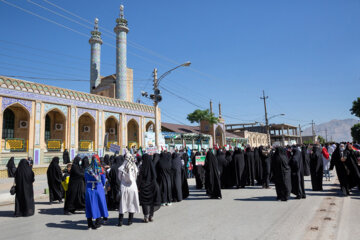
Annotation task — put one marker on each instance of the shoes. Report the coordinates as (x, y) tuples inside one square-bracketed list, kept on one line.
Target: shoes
[(105, 221), (98, 223), (121, 216), (151, 219), (91, 224), (131, 216), (146, 220), (169, 204)]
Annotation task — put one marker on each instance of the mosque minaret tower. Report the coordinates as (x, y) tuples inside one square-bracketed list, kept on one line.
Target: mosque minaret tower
[(95, 42), (121, 29)]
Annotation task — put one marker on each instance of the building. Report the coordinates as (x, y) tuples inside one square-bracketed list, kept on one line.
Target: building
[(280, 134), (41, 121)]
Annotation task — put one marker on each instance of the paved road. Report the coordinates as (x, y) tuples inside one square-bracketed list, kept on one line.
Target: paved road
[(251, 213)]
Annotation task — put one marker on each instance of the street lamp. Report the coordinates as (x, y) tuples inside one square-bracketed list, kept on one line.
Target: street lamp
[(156, 97)]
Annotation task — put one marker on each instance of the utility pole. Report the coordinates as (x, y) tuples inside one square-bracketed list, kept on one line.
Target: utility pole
[(301, 142), (313, 130), (326, 135), (266, 118), (156, 109)]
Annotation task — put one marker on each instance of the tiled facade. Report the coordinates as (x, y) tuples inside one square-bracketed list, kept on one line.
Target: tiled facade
[(37, 100)]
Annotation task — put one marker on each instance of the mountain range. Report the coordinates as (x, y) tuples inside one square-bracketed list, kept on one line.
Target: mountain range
[(336, 130)]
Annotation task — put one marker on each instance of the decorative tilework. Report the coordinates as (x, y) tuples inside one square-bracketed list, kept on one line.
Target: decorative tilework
[(124, 131), (62, 108), (100, 129), (81, 111), (72, 128), (36, 156), (37, 123), (64, 101), (9, 101), (136, 118), (72, 153), (149, 120), (110, 114)]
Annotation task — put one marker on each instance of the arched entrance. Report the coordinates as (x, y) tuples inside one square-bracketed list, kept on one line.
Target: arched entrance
[(133, 133), (112, 131), (55, 130), (15, 130), (219, 136), (150, 127), (86, 129)]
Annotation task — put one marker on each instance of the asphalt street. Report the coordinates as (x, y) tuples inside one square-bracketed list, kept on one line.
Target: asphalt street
[(251, 213)]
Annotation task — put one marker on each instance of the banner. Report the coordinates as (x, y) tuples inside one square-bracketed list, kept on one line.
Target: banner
[(114, 148), (151, 150), (200, 160)]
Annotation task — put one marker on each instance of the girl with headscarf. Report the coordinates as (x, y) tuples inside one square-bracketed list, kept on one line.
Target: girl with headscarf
[(281, 174), (95, 203), (184, 175), (24, 198), (149, 194), (11, 168), (75, 196), (176, 178), (54, 177), (129, 201)]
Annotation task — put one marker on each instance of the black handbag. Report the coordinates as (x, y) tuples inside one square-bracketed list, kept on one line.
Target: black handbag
[(13, 190)]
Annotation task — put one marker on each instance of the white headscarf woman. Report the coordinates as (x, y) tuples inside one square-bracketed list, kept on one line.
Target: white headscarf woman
[(129, 201)]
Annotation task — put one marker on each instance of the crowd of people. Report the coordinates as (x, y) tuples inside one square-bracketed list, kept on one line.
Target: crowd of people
[(123, 183)]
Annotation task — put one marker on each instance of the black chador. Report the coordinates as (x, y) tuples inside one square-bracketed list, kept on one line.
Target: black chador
[(297, 174), (54, 177), (281, 174), (316, 169), (220, 156), (24, 198), (66, 158), (176, 178), (199, 172), (265, 157), (238, 165), (212, 178), (249, 167), (185, 185), (228, 174), (75, 196), (257, 167), (113, 194), (163, 171), (306, 161), (11, 168)]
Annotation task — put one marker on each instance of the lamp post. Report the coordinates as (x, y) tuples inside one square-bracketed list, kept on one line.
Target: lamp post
[(156, 97), (267, 125)]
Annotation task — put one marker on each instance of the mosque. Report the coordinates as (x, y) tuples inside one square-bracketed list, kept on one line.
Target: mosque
[(41, 121)]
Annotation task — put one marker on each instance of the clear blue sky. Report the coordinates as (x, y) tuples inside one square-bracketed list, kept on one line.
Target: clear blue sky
[(304, 54)]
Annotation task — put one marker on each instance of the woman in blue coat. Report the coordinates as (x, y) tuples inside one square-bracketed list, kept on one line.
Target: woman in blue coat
[(95, 203)]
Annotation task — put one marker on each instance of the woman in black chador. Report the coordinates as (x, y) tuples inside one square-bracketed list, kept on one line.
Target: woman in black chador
[(149, 194), (54, 177), (24, 198), (212, 178), (297, 174), (316, 168), (163, 171), (113, 195), (238, 168), (184, 173), (249, 166), (11, 168), (75, 196), (176, 178), (199, 172), (66, 158), (265, 157), (281, 174)]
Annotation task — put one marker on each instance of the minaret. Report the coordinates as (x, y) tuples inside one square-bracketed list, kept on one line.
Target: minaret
[(121, 31), (211, 107), (219, 110), (95, 42)]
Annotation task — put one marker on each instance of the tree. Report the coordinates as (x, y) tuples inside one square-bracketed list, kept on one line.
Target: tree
[(355, 132), (321, 140), (199, 115), (355, 110)]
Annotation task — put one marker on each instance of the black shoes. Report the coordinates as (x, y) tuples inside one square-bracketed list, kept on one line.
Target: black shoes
[(91, 224), (121, 216), (131, 216)]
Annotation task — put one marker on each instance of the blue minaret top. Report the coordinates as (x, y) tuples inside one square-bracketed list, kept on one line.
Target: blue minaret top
[(122, 23), (96, 35)]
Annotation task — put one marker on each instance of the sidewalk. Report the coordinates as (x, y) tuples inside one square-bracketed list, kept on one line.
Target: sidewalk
[(5, 184)]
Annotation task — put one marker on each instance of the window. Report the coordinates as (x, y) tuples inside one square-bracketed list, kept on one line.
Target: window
[(8, 124), (47, 127)]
